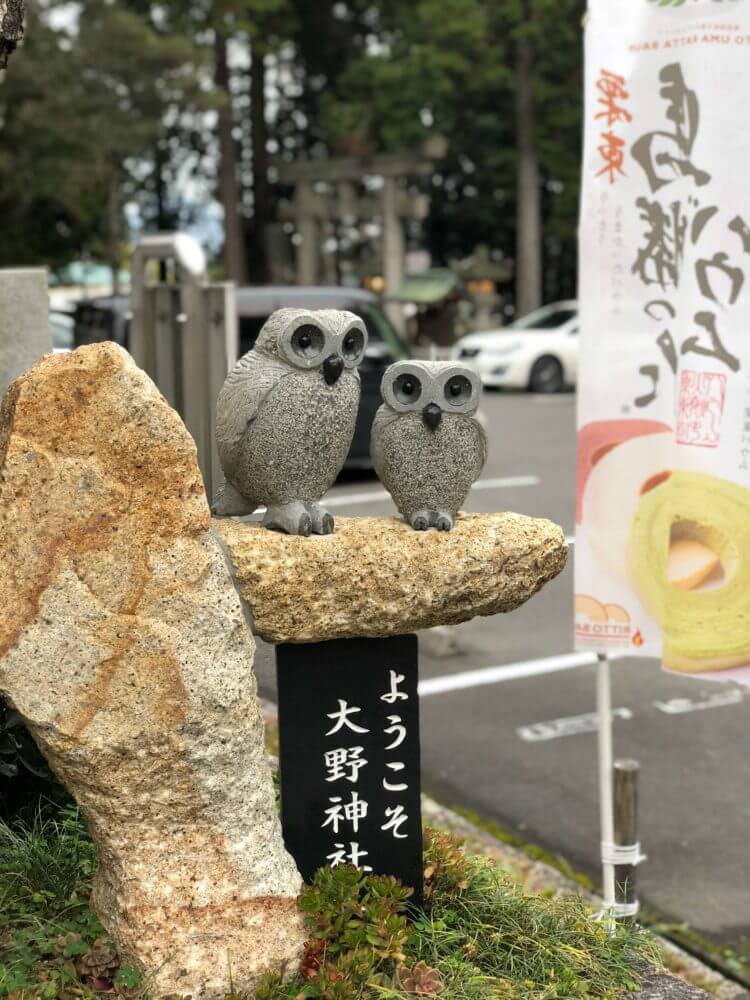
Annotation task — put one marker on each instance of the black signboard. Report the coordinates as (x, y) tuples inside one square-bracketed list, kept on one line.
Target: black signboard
[(349, 735)]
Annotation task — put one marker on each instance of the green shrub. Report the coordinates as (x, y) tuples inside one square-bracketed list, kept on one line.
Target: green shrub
[(52, 943), (480, 937)]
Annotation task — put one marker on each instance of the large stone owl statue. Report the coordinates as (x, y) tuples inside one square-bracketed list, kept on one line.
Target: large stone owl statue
[(285, 418), (427, 446)]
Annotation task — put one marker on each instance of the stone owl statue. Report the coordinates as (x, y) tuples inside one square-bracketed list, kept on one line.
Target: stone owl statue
[(427, 446), (285, 418)]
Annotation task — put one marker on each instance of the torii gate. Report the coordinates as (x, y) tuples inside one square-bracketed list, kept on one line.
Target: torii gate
[(310, 209)]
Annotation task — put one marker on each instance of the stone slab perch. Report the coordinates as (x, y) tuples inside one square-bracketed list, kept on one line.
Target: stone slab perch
[(124, 646), (377, 577)]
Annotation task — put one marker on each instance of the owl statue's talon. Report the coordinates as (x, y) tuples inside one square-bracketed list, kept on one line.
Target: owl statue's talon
[(443, 521), (420, 521), (322, 521), (291, 518)]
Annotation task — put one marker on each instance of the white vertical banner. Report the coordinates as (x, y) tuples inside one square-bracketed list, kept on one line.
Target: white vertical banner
[(663, 479)]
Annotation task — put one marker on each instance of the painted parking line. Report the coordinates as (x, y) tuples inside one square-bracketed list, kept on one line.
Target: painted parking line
[(588, 722), (683, 706), (570, 725), (374, 496), (506, 672)]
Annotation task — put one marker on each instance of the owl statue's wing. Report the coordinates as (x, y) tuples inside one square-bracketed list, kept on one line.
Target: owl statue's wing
[(383, 417), (482, 450), (241, 396)]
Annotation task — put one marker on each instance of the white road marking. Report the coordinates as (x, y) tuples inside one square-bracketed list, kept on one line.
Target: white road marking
[(681, 706), (371, 496), (506, 672), (571, 725)]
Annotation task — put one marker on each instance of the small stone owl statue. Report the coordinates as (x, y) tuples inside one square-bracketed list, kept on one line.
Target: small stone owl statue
[(427, 446), (285, 418)]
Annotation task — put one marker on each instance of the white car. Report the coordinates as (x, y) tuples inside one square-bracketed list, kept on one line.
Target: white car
[(538, 352)]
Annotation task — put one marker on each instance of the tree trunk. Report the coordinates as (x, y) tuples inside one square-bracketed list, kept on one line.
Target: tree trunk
[(529, 225), (259, 267), (229, 191), (11, 28), (113, 232), (163, 222)]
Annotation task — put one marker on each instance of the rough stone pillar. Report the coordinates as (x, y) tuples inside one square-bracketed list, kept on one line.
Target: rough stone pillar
[(25, 331), (393, 249), (123, 645)]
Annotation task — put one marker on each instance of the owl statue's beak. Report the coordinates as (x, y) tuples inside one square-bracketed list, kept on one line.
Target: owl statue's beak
[(332, 368), (432, 415)]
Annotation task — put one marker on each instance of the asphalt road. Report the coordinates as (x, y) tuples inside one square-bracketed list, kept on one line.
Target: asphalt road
[(482, 744)]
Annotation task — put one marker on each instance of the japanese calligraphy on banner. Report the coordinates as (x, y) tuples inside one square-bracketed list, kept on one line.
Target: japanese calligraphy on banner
[(349, 740), (663, 477)]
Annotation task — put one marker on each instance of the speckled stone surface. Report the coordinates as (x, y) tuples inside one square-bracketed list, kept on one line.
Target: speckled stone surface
[(123, 645), (427, 470), (424, 469), (378, 577), (282, 432)]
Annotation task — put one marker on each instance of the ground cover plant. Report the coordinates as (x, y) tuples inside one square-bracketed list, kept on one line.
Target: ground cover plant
[(479, 935)]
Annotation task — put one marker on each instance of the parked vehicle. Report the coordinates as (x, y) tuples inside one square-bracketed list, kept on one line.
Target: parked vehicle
[(537, 352), (102, 318), (62, 331), (109, 319)]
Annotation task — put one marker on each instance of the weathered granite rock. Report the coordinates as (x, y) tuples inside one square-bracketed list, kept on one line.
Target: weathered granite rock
[(378, 577), (123, 645)]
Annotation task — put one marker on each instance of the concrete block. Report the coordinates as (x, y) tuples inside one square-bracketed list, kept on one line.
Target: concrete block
[(25, 331)]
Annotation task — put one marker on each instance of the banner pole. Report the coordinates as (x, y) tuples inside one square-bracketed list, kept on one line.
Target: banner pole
[(606, 803)]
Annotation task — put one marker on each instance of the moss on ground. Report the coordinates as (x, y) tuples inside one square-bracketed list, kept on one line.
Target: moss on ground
[(532, 851)]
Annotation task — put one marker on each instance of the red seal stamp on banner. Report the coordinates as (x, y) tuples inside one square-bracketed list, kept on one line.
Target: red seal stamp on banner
[(701, 407)]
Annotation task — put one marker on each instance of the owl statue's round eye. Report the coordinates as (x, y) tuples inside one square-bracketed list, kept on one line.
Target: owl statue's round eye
[(458, 390), (307, 341), (407, 388), (353, 344)]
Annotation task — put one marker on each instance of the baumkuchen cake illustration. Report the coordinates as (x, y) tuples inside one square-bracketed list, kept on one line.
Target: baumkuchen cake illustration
[(689, 561)]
